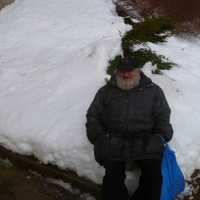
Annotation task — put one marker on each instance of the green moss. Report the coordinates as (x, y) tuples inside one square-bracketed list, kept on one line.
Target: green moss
[(154, 30), (161, 61), (143, 56), (113, 64), (128, 20), (150, 30)]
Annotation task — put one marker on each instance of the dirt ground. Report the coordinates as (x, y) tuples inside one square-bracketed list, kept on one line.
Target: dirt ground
[(185, 14), (3, 3), (16, 184)]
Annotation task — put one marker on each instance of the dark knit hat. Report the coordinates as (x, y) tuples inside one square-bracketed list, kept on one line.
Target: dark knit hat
[(127, 64)]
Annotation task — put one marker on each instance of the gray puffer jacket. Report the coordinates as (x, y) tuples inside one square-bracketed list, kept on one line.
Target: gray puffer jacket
[(126, 125)]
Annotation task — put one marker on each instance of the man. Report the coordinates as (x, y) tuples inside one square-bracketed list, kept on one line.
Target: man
[(126, 122)]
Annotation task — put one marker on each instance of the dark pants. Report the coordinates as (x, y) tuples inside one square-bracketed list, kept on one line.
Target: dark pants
[(149, 186)]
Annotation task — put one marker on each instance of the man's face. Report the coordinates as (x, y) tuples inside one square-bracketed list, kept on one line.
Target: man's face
[(128, 74), (128, 79)]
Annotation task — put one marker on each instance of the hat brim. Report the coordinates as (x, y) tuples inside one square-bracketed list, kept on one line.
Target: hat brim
[(127, 68)]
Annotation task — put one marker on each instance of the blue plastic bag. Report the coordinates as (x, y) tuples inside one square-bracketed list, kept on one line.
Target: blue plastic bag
[(173, 179)]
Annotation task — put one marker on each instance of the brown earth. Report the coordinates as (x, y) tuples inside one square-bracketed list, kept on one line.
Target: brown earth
[(3, 3), (195, 185), (17, 184), (185, 14)]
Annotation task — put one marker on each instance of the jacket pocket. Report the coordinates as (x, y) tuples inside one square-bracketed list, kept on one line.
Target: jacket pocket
[(108, 149), (153, 144)]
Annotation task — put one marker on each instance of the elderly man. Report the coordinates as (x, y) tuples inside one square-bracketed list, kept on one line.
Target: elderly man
[(126, 122)]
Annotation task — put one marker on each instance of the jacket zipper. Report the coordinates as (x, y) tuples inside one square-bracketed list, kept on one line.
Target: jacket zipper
[(127, 111), (127, 104)]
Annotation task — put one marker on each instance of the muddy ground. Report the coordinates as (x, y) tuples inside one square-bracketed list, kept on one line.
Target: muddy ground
[(3, 3), (16, 184)]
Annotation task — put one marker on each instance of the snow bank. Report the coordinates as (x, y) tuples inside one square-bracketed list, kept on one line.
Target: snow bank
[(53, 58), (182, 88)]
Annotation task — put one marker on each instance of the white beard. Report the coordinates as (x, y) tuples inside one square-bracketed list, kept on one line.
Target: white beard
[(127, 84)]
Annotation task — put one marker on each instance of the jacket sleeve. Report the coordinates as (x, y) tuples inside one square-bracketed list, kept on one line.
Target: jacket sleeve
[(161, 116), (94, 127)]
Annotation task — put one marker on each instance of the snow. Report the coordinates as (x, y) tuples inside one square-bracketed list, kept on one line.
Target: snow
[(182, 87), (72, 190), (53, 58)]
